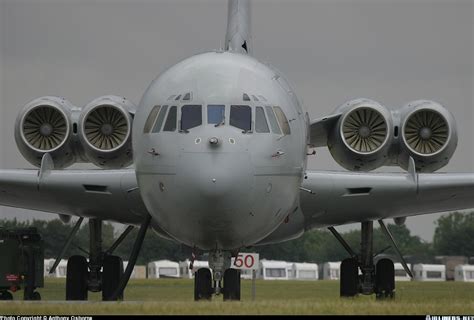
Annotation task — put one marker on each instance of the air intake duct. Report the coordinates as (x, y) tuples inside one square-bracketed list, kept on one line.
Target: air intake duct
[(43, 126), (105, 132), (362, 137), (428, 135)]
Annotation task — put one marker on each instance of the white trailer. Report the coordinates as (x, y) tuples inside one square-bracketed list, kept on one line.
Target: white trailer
[(429, 272), (464, 272), (163, 269), (60, 271), (187, 273), (138, 272), (47, 266), (331, 270), (273, 270), (303, 271), (400, 273)]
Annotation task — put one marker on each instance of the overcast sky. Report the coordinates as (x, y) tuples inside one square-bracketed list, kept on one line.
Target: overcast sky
[(331, 51)]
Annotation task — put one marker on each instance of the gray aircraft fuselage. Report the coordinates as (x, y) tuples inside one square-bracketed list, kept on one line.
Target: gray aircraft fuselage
[(219, 187)]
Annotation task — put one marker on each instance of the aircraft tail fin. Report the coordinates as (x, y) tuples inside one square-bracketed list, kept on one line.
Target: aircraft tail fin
[(238, 36)]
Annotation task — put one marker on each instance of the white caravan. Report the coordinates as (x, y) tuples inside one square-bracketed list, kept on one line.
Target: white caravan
[(331, 270), (429, 272), (464, 272), (163, 269), (60, 271), (187, 273), (304, 271), (273, 270), (400, 273)]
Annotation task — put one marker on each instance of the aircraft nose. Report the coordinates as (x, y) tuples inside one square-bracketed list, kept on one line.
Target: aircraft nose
[(220, 177)]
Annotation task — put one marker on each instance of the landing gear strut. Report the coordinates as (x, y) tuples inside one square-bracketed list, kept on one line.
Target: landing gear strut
[(101, 273), (222, 280), (104, 271), (379, 279)]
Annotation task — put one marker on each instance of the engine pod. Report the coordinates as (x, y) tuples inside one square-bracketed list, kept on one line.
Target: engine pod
[(429, 135), (44, 126), (361, 139), (105, 127)]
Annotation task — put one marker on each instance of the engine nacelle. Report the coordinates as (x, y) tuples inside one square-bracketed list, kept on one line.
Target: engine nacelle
[(44, 126), (428, 135), (105, 128), (362, 137)]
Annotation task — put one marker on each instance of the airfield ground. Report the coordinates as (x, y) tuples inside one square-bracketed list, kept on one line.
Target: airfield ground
[(168, 296)]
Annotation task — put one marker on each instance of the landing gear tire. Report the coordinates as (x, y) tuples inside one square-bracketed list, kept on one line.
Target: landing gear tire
[(349, 278), (112, 272), (232, 285), (202, 284), (385, 279), (36, 296), (76, 278), (6, 295)]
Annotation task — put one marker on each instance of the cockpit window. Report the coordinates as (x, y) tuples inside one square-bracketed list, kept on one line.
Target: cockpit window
[(261, 124), (151, 119), (241, 117), (187, 96), (191, 116), (273, 121), (284, 124), (159, 120), (170, 124), (215, 114)]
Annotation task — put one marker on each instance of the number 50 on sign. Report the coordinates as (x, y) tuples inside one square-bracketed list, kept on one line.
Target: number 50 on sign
[(245, 261)]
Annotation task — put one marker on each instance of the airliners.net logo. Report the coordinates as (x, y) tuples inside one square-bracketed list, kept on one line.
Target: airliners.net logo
[(429, 317)]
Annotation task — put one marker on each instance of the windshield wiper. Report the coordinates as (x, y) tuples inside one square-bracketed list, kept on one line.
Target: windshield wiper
[(220, 123)]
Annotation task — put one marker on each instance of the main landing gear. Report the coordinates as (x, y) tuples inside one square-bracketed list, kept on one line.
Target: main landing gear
[(222, 280), (103, 272), (376, 279)]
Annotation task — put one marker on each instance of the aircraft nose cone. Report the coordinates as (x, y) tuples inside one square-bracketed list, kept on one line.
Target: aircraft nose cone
[(220, 177)]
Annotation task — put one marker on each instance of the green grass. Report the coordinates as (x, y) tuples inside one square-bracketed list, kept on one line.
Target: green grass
[(167, 296)]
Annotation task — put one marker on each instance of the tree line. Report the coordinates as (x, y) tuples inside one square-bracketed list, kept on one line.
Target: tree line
[(454, 235)]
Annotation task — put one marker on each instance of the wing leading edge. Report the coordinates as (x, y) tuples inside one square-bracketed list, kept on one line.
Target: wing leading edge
[(345, 197), (105, 194)]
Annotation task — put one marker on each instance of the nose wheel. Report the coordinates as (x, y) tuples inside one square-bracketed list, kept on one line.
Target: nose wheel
[(203, 284), (232, 285), (207, 283)]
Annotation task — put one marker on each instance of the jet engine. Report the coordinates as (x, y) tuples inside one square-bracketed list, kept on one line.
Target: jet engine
[(44, 126), (362, 137), (105, 127), (429, 135)]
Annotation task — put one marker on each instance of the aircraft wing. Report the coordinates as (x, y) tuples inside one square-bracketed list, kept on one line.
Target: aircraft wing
[(104, 194), (336, 198)]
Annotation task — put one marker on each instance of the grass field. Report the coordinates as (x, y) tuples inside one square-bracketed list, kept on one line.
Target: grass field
[(168, 296)]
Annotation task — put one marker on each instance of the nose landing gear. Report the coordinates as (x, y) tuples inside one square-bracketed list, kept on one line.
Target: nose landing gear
[(207, 284)]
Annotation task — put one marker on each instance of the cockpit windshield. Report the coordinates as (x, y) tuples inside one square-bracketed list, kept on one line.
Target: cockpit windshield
[(191, 116), (160, 119), (170, 124), (215, 114), (241, 117)]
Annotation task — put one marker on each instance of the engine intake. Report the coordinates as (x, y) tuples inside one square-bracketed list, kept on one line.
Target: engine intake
[(361, 139), (426, 132), (364, 130), (105, 131), (428, 135), (43, 126)]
